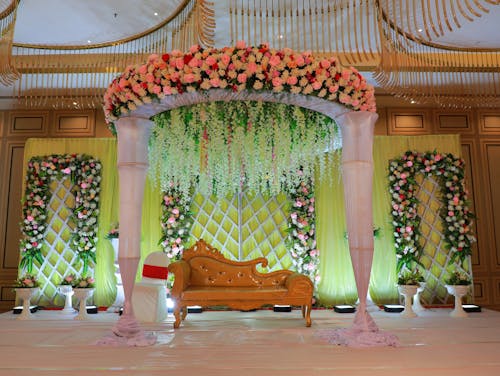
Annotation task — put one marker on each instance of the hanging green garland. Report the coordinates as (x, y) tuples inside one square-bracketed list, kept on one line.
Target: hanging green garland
[(85, 173), (456, 216)]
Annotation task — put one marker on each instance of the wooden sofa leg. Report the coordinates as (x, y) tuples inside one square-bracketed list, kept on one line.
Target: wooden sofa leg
[(308, 315), (184, 313), (303, 311), (177, 315)]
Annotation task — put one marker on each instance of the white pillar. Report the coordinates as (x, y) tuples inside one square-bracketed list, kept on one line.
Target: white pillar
[(133, 136), (357, 169)]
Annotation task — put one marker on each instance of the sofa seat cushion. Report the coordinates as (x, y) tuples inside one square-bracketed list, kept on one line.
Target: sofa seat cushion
[(233, 293)]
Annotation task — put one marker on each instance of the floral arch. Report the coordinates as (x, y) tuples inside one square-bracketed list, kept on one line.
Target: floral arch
[(253, 74)]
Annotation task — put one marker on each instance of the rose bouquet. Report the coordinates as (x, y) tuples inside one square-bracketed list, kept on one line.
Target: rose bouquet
[(27, 281)]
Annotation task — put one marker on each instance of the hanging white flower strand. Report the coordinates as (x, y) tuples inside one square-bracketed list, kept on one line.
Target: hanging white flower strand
[(225, 147)]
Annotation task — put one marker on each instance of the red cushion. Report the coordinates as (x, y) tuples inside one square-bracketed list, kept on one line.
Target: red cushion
[(152, 271)]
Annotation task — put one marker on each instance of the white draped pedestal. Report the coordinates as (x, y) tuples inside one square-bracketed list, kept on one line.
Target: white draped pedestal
[(133, 136)]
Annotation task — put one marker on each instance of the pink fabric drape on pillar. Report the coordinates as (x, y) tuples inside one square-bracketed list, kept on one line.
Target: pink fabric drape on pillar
[(133, 136), (357, 169)]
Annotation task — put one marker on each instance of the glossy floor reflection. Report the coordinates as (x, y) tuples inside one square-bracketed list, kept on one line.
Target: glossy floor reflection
[(252, 343)]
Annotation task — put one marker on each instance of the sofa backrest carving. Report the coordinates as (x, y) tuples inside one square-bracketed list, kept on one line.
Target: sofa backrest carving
[(209, 267)]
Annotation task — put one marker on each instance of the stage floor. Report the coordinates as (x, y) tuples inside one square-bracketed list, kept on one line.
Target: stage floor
[(252, 343)]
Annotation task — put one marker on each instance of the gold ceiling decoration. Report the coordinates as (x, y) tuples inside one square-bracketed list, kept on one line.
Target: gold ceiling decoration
[(63, 76), (414, 67), (401, 41), (8, 73), (338, 27), (394, 38)]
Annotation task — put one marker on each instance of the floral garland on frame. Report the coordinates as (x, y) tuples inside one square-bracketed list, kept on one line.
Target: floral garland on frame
[(301, 239), (85, 173), (457, 219), (176, 222), (237, 68)]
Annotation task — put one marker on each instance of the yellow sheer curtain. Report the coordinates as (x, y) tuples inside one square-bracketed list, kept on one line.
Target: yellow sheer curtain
[(337, 281), (337, 284), (105, 150)]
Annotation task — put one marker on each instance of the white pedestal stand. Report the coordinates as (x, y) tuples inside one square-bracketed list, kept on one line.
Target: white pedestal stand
[(417, 306), (26, 293), (120, 297), (408, 291), (67, 291), (458, 291), (83, 294)]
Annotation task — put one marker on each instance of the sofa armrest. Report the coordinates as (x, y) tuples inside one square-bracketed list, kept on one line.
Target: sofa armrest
[(299, 283), (182, 273)]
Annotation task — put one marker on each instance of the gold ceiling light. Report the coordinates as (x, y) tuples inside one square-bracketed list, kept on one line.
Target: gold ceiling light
[(63, 76), (8, 73), (414, 67)]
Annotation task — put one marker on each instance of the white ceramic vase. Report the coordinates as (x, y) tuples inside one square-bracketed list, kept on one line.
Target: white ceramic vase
[(82, 294), (67, 291), (26, 293), (408, 291), (417, 305), (458, 291)]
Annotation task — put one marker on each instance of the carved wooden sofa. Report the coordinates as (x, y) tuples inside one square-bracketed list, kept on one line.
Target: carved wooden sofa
[(204, 277)]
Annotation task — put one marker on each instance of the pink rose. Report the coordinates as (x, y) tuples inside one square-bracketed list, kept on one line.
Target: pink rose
[(189, 78), (242, 78), (171, 220), (292, 80), (241, 45), (225, 59), (251, 67), (83, 185), (274, 60), (215, 82), (276, 81), (210, 60)]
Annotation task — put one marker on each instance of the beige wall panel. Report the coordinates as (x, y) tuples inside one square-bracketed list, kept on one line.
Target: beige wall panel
[(489, 122), (74, 124), (2, 123), (408, 122), (496, 291), (453, 122), (101, 128), (28, 123), (381, 124), (493, 164), (10, 257), (7, 294), (470, 181), (480, 290)]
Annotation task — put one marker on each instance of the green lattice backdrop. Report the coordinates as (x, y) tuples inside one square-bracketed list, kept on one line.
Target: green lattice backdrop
[(59, 259), (435, 256), (244, 227)]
